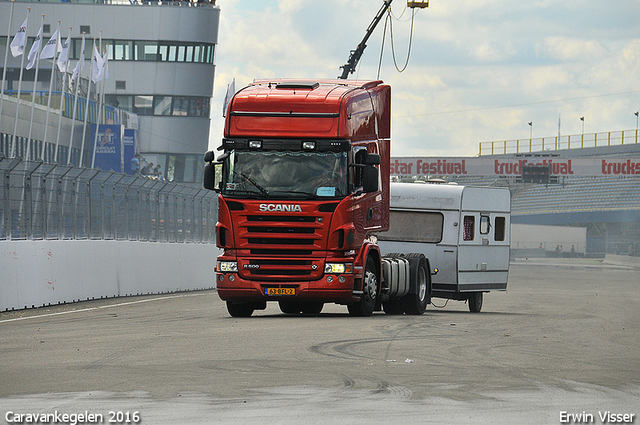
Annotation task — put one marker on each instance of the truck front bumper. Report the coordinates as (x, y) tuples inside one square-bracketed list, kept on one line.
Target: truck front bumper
[(330, 288)]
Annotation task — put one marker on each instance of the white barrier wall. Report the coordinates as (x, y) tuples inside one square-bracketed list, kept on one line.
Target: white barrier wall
[(39, 273)]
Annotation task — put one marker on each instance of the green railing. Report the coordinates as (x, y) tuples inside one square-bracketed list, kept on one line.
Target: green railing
[(573, 141)]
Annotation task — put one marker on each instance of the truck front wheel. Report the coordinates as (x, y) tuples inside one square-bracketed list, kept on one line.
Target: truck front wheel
[(240, 309), (370, 286)]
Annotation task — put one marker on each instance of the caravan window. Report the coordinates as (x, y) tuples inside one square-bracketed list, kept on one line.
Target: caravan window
[(500, 228), (468, 227), (410, 226), (485, 224)]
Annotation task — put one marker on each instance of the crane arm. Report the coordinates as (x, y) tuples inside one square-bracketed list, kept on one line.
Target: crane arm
[(354, 56)]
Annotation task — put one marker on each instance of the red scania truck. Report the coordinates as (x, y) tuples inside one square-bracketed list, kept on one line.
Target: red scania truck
[(303, 182)]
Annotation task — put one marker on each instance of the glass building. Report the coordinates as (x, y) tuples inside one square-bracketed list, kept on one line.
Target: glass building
[(161, 68)]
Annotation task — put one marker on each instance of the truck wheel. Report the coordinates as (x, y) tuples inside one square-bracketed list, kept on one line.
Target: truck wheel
[(393, 307), (289, 307), (370, 284), (312, 308), (416, 303), (240, 309), (475, 302)]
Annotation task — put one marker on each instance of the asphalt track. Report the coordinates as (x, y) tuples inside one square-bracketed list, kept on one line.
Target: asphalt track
[(563, 340)]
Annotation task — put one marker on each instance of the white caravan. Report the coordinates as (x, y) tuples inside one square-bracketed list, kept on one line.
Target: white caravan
[(463, 231)]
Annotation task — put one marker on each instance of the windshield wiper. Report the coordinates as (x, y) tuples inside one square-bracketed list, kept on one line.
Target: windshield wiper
[(262, 190)]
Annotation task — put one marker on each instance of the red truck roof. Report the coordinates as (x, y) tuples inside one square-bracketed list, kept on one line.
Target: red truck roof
[(289, 108)]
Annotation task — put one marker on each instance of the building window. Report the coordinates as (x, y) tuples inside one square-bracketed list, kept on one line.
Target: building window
[(162, 105), (143, 105), (121, 85), (149, 51), (181, 106), (85, 29), (122, 50)]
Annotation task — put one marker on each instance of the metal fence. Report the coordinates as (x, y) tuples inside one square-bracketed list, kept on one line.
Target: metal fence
[(48, 201)]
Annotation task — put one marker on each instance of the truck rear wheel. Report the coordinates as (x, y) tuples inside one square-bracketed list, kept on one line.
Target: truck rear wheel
[(393, 306), (370, 286), (240, 309), (475, 302), (416, 301)]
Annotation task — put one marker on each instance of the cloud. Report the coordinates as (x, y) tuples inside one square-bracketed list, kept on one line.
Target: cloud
[(478, 71), (565, 49)]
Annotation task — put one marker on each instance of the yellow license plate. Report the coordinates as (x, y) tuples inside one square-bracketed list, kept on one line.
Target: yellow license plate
[(280, 291)]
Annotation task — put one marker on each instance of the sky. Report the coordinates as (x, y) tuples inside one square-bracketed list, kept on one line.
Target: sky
[(478, 71)]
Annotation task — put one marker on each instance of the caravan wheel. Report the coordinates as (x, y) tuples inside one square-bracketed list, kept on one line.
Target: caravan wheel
[(475, 302)]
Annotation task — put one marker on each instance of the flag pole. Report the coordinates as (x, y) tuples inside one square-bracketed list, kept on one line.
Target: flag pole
[(63, 99), (78, 77), (36, 43), (95, 141), (86, 109), (53, 71), (6, 56), (14, 142)]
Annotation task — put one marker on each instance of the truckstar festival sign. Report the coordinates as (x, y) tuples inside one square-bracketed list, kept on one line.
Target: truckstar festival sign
[(513, 167)]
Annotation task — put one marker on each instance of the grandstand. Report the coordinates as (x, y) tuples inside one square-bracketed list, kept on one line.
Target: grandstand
[(608, 206)]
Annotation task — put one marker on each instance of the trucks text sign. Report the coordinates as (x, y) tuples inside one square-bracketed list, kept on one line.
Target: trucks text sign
[(490, 166)]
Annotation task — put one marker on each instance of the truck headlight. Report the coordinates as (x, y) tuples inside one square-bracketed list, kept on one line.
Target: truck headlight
[(338, 268), (227, 266)]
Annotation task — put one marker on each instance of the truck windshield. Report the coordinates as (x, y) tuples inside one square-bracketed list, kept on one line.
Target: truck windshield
[(285, 174)]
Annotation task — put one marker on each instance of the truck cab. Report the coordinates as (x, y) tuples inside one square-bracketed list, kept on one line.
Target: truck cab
[(303, 177)]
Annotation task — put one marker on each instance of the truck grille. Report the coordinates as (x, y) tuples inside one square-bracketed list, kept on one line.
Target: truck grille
[(278, 244)]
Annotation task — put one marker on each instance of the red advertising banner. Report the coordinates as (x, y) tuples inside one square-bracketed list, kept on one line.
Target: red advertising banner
[(490, 166)]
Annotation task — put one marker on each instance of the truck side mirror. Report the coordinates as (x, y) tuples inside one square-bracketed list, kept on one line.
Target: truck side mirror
[(372, 159), (369, 179), (212, 172), (209, 156)]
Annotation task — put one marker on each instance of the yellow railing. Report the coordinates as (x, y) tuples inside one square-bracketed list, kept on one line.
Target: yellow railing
[(572, 141)]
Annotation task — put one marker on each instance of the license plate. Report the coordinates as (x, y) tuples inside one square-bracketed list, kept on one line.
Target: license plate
[(278, 292)]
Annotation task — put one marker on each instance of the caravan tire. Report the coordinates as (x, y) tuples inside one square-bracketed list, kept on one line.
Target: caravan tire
[(475, 302)]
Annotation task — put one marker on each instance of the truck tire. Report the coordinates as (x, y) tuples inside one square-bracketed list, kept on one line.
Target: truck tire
[(419, 296), (475, 302), (393, 307), (312, 308), (289, 307), (370, 288), (240, 309)]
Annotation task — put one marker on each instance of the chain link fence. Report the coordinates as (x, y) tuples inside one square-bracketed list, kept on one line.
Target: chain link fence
[(49, 201)]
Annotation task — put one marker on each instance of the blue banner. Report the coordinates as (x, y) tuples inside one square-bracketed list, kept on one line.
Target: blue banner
[(129, 144), (108, 147)]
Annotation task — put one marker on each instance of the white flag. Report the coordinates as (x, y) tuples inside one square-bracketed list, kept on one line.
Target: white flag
[(35, 49), (64, 55), (78, 69), (105, 61), (97, 70), (17, 45), (231, 90), (49, 51)]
